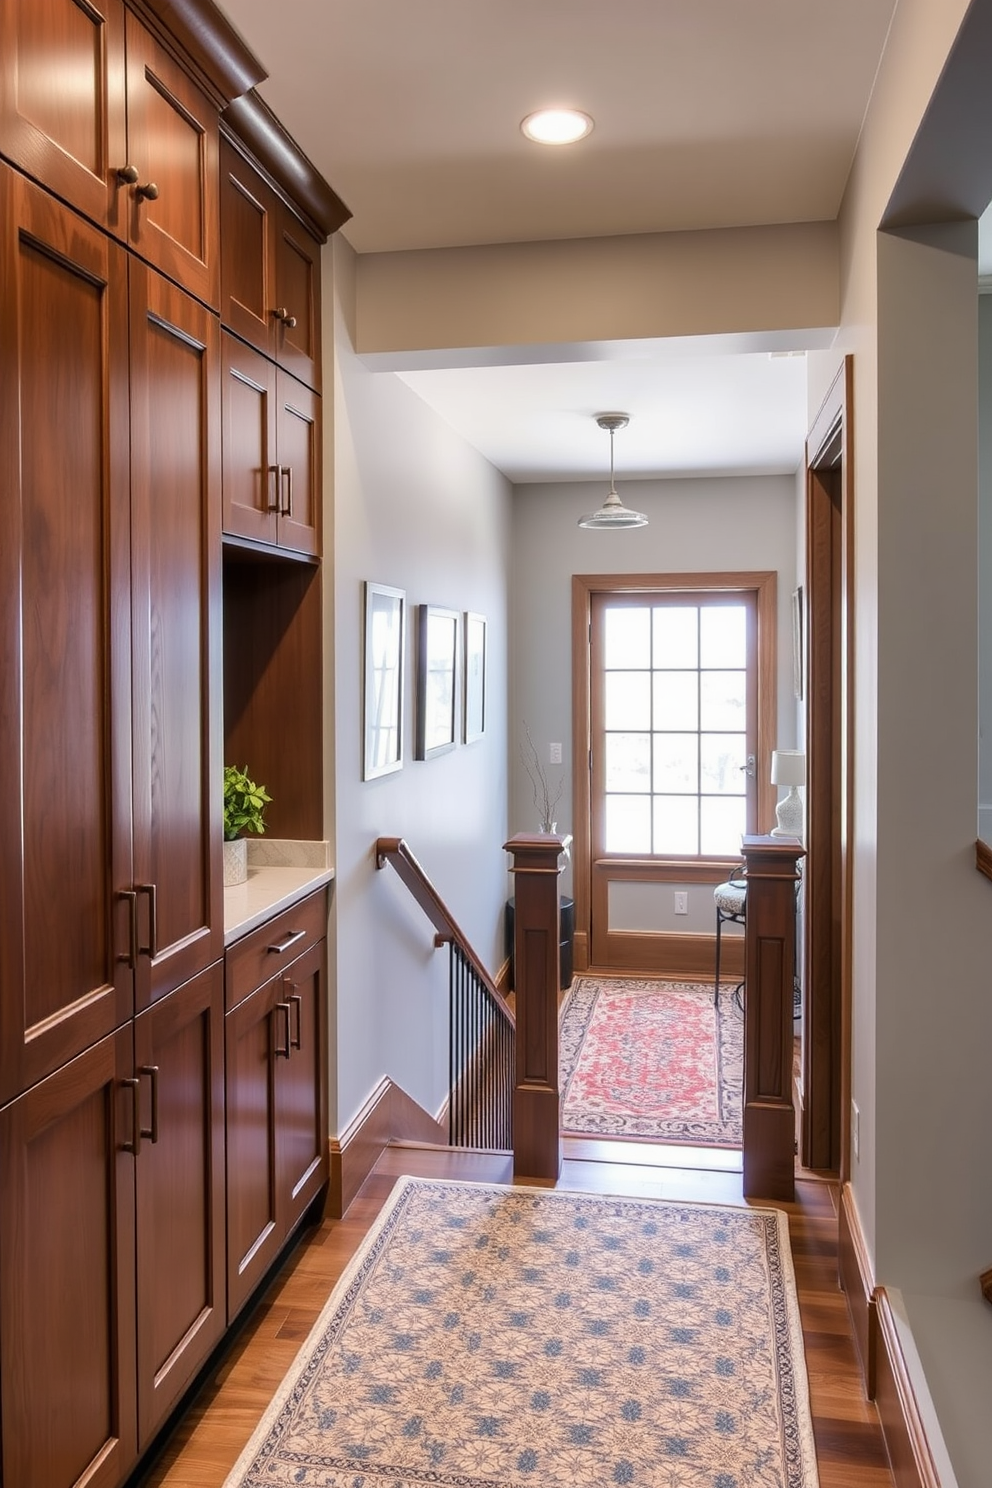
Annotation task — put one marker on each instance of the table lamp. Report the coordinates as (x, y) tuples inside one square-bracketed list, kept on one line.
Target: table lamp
[(789, 768)]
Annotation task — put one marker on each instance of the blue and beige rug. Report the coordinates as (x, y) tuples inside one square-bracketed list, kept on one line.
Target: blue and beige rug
[(496, 1337)]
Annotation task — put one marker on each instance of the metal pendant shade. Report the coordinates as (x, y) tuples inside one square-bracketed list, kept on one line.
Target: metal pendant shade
[(613, 513)]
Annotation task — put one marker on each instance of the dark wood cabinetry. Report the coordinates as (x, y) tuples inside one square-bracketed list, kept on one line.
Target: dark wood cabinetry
[(276, 1039), (132, 142), (271, 452), (270, 270), (113, 1082)]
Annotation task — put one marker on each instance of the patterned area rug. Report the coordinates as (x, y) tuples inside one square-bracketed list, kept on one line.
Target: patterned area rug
[(495, 1337), (653, 1060)]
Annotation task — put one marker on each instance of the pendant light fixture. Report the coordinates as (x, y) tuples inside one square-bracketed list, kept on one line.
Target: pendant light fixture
[(613, 513)]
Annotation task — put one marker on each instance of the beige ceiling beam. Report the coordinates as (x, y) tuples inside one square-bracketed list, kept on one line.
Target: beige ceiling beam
[(771, 288)]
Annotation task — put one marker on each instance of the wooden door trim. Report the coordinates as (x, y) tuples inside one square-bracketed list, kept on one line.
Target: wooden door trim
[(830, 445), (584, 587)]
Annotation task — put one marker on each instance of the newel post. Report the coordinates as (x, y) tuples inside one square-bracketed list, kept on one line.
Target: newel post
[(769, 970), (536, 935)]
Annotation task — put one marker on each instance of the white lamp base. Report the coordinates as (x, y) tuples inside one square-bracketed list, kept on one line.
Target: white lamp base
[(789, 815)]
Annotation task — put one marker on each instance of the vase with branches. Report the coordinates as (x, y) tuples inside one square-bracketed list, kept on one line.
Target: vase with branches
[(546, 796)]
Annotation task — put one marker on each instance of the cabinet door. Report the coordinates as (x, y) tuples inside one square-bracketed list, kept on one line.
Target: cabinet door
[(301, 1087), (67, 1275), (179, 1182), (62, 98), (172, 143), (298, 445), (65, 815), (251, 477), (253, 1032), (247, 275), (297, 298), (176, 691)]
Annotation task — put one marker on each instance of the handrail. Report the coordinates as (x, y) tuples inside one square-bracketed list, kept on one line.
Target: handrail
[(396, 851)]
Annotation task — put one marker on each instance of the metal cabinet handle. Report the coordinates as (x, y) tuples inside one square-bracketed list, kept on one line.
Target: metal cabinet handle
[(135, 1143), (283, 316), (127, 175), (296, 1001), (131, 956), (282, 946), (151, 949), (282, 1007), (276, 471), (287, 510), (151, 1070), (149, 191)]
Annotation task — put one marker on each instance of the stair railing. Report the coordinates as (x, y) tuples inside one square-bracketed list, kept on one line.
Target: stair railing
[(482, 1029)]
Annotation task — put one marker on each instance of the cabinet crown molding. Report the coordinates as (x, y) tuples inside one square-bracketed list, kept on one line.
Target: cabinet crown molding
[(205, 33), (250, 121)]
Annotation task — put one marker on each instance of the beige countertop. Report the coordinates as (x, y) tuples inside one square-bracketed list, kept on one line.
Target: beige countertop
[(280, 874)]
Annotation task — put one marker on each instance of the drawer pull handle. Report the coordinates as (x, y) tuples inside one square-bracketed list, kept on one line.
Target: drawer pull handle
[(130, 897), (282, 1007), (273, 506), (151, 949), (151, 1070), (287, 510), (296, 1001), (134, 1145), (283, 945)]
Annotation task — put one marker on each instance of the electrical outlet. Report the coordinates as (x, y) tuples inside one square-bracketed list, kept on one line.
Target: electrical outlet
[(681, 901), (554, 754), (855, 1128)]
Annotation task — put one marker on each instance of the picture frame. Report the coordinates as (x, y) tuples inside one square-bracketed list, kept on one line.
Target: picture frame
[(797, 642), (384, 647), (437, 681), (474, 691)]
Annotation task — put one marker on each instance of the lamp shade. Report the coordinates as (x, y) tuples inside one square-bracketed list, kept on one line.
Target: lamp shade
[(788, 767)]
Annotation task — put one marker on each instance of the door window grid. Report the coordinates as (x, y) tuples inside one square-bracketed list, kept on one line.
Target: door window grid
[(681, 789)]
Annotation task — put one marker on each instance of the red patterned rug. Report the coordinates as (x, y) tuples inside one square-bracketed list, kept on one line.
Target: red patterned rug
[(653, 1060)]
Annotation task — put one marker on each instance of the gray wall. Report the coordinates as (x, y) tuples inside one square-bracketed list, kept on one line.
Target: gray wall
[(695, 526), (415, 507)]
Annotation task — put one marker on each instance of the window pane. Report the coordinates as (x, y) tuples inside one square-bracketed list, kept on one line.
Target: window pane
[(676, 636), (676, 700), (723, 636), (721, 700), (628, 700), (722, 825), (628, 824), (676, 763), (676, 828), (627, 636), (628, 762), (721, 759)]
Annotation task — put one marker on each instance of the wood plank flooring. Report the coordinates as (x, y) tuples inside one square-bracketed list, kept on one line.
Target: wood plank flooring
[(205, 1442)]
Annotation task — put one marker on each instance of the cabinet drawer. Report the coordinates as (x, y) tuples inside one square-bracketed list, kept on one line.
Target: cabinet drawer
[(273, 946)]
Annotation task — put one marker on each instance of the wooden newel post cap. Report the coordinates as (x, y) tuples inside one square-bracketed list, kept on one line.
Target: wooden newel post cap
[(536, 852)]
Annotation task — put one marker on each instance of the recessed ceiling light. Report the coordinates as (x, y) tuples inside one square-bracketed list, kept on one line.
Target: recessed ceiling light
[(557, 126)]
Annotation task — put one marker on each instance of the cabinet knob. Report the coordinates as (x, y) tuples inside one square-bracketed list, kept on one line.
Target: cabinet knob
[(283, 316), (149, 191), (128, 175)]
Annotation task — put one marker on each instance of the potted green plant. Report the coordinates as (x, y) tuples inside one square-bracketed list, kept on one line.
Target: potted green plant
[(244, 811)]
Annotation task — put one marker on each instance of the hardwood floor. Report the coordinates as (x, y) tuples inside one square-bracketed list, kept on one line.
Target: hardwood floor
[(208, 1437)]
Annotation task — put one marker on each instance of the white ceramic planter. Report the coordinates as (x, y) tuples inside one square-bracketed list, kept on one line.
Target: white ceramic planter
[(235, 862)]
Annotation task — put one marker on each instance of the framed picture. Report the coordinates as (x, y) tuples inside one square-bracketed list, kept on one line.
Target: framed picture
[(797, 642), (437, 663), (382, 713), (475, 676)]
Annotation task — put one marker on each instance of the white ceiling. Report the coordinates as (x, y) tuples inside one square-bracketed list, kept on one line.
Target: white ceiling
[(708, 113)]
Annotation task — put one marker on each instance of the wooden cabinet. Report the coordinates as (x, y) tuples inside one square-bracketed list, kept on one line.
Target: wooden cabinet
[(179, 1183), (112, 1242), (271, 453), (175, 636), (131, 141), (277, 1160), (110, 730), (270, 270)]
